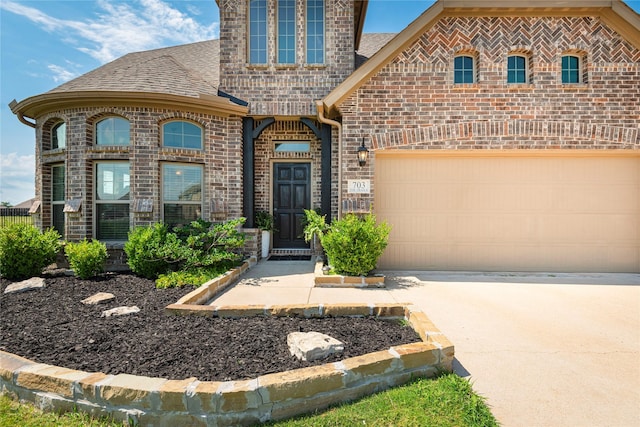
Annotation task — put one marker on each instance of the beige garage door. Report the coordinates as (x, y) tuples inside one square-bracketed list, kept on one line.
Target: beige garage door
[(510, 213)]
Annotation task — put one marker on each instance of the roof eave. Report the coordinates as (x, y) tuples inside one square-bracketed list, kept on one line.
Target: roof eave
[(614, 13), (38, 105)]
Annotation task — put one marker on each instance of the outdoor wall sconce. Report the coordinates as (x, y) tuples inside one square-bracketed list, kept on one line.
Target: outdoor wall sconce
[(363, 154)]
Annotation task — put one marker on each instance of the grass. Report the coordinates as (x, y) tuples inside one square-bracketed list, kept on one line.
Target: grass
[(446, 401)]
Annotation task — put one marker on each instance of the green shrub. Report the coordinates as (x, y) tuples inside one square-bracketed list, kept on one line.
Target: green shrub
[(145, 250), (86, 258), (195, 277), (265, 221), (25, 251), (154, 251), (314, 225), (353, 244)]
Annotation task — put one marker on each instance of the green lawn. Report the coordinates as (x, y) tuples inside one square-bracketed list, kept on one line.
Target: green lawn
[(446, 401)]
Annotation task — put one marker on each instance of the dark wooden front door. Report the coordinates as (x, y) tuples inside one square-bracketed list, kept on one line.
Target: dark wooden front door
[(291, 196)]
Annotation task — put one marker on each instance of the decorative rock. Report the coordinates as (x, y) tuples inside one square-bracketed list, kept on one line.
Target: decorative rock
[(120, 311), (98, 298), (310, 346), (25, 285)]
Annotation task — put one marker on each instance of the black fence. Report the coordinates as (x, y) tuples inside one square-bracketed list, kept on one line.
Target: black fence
[(15, 216)]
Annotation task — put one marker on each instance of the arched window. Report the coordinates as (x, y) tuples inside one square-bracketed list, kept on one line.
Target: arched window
[(181, 134), (112, 131), (571, 69), (464, 69), (517, 69), (59, 136)]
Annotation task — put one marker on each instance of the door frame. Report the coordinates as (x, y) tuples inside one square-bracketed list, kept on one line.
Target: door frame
[(312, 183)]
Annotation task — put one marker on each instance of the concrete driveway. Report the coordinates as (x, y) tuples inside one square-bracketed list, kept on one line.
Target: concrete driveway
[(545, 349)]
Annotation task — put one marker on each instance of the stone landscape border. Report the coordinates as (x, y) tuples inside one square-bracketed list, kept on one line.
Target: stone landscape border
[(322, 280), (161, 402)]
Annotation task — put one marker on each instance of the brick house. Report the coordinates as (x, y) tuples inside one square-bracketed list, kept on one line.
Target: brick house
[(499, 137)]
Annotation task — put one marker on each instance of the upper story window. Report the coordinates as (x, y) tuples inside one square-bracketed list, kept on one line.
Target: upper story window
[(517, 69), (286, 31), (258, 31), (180, 134), (571, 69), (112, 200), (315, 31), (59, 136), (463, 69), (112, 131)]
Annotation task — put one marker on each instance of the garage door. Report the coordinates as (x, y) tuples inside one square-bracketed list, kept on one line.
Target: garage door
[(510, 213)]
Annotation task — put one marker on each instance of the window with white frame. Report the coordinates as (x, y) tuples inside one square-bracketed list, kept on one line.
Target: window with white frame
[(571, 69), (57, 198), (286, 31), (59, 136), (112, 200), (112, 131), (517, 69), (257, 31), (315, 31), (181, 193), (181, 134), (463, 69)]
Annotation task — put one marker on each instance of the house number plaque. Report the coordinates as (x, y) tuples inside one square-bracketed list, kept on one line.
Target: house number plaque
[(359, 186)]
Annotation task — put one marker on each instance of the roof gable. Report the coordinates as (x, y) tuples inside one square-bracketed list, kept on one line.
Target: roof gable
[(613, 13)]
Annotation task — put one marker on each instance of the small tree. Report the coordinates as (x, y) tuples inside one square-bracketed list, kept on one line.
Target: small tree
[(25, 251)]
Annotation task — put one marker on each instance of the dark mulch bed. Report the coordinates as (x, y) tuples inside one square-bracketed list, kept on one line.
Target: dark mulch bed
[(52, 326)]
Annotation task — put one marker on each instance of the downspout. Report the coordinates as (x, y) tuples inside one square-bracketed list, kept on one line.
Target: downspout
[(323, 119)]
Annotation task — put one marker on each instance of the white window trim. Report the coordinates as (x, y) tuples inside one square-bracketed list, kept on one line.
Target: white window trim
[(194, 203)]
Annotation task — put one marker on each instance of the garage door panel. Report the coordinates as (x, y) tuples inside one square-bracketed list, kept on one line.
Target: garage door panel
[(510, 213)]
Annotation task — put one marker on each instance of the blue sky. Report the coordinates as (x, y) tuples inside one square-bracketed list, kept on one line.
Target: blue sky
[(44, 43)]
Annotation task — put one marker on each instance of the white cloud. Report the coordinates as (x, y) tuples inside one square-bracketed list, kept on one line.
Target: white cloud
[(16, 177), (121, 27), (61, 74)]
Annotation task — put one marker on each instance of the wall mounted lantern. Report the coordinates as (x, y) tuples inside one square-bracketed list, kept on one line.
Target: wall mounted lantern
[(363, 154)]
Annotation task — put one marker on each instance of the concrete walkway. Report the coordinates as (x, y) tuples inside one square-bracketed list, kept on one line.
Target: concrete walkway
[(545, 349)]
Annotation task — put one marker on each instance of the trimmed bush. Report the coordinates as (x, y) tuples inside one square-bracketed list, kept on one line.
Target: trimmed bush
[(86, 258), (25, 251), (145, 251), (154, 251), (353, 244)]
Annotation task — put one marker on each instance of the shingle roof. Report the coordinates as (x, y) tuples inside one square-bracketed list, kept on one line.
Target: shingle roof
[(187, 70)]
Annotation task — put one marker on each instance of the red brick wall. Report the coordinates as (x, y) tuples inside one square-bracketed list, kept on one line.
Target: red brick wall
[(277, 89), (413, 104), (221, 158)]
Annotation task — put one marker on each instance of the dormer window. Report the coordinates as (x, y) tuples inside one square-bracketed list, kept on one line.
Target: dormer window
[(315, 31), (258, 31), (286, 31)]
